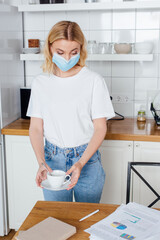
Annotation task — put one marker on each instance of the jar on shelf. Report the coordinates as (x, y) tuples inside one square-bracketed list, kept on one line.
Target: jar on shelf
[(92, 47), (103, 48), (141, 117)]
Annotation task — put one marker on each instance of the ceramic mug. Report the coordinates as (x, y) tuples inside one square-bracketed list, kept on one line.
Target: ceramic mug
[(57, 178)]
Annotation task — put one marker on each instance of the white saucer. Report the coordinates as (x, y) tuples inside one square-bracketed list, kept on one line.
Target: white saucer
[(45, 184)]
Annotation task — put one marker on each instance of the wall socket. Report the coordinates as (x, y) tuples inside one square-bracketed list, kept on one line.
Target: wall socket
[(121, 98)]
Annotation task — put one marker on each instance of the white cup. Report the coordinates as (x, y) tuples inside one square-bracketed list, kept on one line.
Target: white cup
[(57, 178)]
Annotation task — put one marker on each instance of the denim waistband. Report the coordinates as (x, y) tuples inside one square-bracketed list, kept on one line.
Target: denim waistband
[(75, 150)]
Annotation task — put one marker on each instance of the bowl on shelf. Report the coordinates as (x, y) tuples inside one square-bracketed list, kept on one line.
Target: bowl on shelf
[(31, 50), (122, 48), (143, 47)]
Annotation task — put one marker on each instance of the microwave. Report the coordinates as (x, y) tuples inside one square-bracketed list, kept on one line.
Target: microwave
[(24, 100)]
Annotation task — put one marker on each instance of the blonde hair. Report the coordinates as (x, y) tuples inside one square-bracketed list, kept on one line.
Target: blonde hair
[(64, 30)]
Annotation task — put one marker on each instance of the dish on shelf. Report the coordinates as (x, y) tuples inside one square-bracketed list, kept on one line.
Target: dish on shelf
[(90, 1), (74, 1), (122, 48), (31, 50), (143, 47)]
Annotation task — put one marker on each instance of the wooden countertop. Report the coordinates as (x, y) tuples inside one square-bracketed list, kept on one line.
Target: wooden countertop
[(18, 127), (128, 129), (69, 212)]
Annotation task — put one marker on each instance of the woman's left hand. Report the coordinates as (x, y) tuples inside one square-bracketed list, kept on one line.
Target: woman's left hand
[(76, 171)]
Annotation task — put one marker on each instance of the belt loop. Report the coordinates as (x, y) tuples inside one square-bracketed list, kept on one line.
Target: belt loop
[(75, 152), (54, 149)]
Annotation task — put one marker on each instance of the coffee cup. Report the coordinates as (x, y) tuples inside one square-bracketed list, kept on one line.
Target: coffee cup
[(57, 178)]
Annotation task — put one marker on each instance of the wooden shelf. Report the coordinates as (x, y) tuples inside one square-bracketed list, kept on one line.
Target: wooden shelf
[(90, 6), (97, 57)]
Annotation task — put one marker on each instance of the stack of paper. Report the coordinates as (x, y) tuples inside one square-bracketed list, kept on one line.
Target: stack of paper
[(131, 221), (49, 229)]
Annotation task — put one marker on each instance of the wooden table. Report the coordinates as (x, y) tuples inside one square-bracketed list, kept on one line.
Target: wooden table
[(69, 212)]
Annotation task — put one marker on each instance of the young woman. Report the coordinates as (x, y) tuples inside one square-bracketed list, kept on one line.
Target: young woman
[(69, 106)]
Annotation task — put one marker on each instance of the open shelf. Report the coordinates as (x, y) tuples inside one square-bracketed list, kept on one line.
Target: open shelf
[(90, 6), (97, 57)]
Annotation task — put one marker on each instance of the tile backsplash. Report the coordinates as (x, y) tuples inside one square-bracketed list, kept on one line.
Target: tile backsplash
[(128, 82)]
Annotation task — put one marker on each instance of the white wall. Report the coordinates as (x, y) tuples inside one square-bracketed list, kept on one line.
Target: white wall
[(15, 2), (134, 80)]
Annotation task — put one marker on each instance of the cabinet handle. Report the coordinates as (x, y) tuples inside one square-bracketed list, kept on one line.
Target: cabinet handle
[(137, 145), (130, 145)]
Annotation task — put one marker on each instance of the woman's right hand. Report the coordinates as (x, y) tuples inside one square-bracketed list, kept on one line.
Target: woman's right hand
[(42, 174)]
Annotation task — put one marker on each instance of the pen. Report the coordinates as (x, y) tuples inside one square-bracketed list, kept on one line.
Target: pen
[(89, 215)]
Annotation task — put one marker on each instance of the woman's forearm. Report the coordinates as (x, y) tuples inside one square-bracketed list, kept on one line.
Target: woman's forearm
[(36, 138), (93, 145)]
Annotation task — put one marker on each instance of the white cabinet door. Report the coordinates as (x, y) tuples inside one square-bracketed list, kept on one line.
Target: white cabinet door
[(115, 157), (146, 152), (22, 167)]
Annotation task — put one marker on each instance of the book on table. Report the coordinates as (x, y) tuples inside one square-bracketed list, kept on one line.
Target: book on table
[(48, 229)]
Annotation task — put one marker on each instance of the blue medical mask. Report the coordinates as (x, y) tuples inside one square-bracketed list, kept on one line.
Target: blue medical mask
[(63, 64)]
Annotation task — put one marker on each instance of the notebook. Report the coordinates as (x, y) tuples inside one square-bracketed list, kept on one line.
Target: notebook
[(49, 229)]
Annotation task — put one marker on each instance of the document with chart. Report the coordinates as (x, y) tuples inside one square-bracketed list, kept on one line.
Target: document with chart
[(131, 221)]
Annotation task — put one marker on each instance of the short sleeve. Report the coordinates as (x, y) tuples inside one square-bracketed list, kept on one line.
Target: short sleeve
[(101, 102), (34, 106)]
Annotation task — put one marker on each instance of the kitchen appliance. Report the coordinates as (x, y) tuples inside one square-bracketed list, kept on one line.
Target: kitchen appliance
[(11, 77), (155, 108), (25, 96)]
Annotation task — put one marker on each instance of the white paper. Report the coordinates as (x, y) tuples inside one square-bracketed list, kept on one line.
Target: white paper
[(131, 221)]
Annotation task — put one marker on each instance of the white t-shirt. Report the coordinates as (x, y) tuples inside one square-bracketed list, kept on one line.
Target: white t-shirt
[(68, 105)]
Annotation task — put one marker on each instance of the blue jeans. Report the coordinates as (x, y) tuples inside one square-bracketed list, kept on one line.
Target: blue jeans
[(90, 183)]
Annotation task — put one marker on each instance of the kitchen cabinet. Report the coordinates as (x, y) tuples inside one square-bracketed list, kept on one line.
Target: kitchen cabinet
[(21, 166), (115, 157), (146, 152)]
